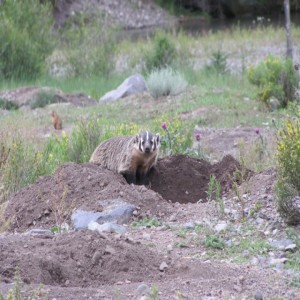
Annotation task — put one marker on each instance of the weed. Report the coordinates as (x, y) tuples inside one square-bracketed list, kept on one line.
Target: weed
[(288, 167), (176, 138), (153, 292), (212, 241), (146, 222), (42, 99), (58, 205), (26, 38), (162, 54), (295, 281), (89, 47), (214, 192), (275, 78), (182, 232), (164, 82), (8, 105), (218, 62)]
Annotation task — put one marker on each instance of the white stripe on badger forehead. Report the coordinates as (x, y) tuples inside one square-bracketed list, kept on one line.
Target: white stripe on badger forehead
[(147, 135)]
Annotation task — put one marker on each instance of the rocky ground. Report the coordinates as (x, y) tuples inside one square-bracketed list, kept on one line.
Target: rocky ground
[(181, 242)]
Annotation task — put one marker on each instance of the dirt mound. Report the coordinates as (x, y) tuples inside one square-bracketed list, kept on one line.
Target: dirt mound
[(81, 258), (23, 96), (184, 179), (52, 199)]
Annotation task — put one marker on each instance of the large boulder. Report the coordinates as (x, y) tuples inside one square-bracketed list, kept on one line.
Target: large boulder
[(134, 84)]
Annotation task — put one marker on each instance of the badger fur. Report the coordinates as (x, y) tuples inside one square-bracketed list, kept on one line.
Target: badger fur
[(131, 156)]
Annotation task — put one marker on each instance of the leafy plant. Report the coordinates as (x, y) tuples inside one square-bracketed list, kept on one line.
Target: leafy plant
[(275, 78), (147, 222), (214, 192), (26, 38), (89, 46), (162, 54), (288, 167), (212, 241), (42, 99), (176, 138), (218, 62), (164, 82), (8, 105)]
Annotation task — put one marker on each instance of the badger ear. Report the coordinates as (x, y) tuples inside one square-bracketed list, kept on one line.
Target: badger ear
[(158, 138)]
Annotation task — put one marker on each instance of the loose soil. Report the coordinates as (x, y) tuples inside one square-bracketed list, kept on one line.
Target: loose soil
[(89, 265)]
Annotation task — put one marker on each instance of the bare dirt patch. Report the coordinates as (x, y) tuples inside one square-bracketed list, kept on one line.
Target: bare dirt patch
[(101, 266)]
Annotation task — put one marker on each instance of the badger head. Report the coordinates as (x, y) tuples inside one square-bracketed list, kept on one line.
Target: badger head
[(148, 142)]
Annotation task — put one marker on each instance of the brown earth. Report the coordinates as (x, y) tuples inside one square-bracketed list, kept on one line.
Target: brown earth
[(89, 265)]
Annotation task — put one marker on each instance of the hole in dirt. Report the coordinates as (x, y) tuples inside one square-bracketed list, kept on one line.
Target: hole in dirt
[(185, 179)]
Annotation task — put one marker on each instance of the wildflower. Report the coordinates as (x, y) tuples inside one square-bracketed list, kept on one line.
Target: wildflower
[(197, 136), (257, 131), (164, 126)]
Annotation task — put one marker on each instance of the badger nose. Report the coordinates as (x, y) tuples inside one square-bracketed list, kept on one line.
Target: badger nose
[(147, 149)]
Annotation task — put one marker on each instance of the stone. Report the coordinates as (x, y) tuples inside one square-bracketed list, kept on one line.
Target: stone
[(120, 215), (258, 295), (107, 227), (134, 84), (142, 289), (163, 266), (221, 227)]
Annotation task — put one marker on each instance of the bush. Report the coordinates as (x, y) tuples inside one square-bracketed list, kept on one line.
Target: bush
[(42, 99), (162, 54), (9, 105), (165, 82), (176, 138), (25, 38), (275, 78), (288, 166), (218, 62), (89, 46)]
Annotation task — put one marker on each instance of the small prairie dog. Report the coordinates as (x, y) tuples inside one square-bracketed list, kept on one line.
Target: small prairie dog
[(56, 120)]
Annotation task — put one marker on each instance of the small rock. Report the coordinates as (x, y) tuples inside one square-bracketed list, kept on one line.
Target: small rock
[(169, 248), (147, 236), (163, 266), (142, 289), (221, 227), (291, 247), (108, 227), (258, 295), (96, 257), (109, 250), (237, 288), (189, 225)]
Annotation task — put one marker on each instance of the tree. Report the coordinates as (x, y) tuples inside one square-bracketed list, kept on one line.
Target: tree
[(289, 49)]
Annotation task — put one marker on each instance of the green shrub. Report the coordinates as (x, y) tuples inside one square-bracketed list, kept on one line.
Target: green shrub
[(218, 62), (89, 46), (9, 105), (275, 78), (288, 167), (25, 38), (164, 82), (163, 52), (42, 99), (176, 138)]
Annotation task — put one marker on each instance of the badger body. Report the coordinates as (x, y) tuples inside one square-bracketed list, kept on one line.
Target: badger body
[(131, 156)]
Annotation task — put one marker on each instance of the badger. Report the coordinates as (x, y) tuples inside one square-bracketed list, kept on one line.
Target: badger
[(131, 156)]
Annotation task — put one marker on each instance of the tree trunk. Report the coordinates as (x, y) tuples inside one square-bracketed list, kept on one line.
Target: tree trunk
[(289, 49)]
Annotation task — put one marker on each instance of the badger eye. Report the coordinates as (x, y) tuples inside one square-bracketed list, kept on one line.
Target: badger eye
[(143, 142), (151, 142)]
